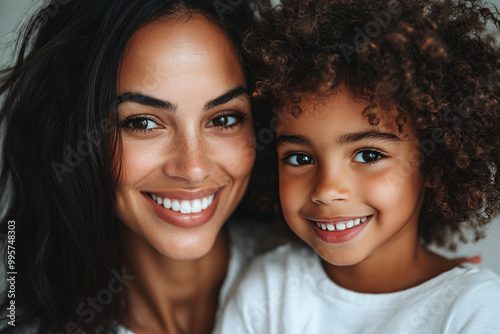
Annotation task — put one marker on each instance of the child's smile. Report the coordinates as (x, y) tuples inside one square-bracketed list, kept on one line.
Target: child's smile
[(346, 228), (350, 189)]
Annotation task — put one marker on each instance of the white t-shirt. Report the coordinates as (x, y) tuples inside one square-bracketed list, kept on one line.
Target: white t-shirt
[(287, 291), (246, 240)]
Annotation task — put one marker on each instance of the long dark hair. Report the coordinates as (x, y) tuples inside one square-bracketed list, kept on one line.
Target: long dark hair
[(57, 183)]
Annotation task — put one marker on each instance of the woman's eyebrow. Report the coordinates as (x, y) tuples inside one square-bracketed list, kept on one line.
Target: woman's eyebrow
[(145, 100), (226, 97), (150, 101)]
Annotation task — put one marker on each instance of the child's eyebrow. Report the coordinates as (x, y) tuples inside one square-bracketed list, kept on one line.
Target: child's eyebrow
[(344, 139), (294, 140), (357, 136)]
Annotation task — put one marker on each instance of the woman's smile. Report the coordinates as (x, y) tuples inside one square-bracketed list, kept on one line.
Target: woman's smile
[(193, 210), (184, 206)]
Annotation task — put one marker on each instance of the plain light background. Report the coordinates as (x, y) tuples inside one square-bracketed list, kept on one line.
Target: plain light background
[(12, 14)]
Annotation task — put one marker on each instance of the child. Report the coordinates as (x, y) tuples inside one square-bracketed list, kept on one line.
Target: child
[(388, 140)]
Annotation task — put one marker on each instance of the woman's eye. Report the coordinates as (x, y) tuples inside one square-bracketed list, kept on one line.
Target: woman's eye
[(225, 121), (298, 160), (368, 156), (141, 124)]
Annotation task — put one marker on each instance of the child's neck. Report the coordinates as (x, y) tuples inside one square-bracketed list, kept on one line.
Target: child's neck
[(390, 270)]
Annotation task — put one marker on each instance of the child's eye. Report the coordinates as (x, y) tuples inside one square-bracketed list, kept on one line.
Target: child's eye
[(298, 159), (227, 120), (368, 156), (140, 123)]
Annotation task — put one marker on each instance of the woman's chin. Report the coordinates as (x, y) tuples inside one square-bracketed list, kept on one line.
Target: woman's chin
[(185, 248)]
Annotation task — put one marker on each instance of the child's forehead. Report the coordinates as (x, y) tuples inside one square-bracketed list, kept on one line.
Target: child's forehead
[(319, 105), (340, 107)]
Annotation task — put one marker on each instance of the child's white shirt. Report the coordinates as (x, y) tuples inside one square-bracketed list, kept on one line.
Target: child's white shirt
[(287, 291)]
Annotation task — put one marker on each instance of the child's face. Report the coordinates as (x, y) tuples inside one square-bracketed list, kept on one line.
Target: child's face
[(349, 189)]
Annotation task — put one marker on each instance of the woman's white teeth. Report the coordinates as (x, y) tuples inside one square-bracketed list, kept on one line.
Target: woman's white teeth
[(341, 226), (185, 207), (167, 204)]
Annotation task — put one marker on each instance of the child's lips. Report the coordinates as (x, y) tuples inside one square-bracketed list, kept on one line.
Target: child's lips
[(338, 223), (335, 230)]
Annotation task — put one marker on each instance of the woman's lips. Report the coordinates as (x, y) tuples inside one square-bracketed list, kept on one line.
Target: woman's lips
[(339, 230), (184, 206), (188, 211)]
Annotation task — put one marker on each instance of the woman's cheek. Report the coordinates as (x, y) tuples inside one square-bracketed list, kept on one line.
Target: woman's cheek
[(238, 153), (140, 157)]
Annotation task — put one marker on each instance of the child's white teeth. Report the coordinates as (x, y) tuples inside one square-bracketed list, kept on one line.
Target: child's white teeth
[(184, 207), (341, 226)]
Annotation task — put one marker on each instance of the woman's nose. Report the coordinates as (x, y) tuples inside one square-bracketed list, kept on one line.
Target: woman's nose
[(189, 160), (331, 185)]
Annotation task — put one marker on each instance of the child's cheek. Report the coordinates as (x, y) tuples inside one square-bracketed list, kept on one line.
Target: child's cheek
[(293, 194), (395, 187)]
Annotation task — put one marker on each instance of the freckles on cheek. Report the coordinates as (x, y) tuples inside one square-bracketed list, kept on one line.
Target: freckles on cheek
[(239, 155), (138, 159)]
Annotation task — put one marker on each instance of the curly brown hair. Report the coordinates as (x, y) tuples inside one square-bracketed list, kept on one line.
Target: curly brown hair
[(436, 61)]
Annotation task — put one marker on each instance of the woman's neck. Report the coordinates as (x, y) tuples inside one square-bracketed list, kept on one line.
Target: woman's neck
[(174, 296)]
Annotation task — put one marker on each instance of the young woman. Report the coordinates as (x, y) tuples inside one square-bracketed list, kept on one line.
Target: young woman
[(128, 145)]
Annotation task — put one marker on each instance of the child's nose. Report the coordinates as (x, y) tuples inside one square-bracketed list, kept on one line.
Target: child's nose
[(331, 184)]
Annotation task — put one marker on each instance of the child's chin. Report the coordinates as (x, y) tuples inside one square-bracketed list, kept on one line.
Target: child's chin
[(340, 259)]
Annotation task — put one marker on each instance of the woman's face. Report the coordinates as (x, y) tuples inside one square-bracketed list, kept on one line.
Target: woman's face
[(188, 140)]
